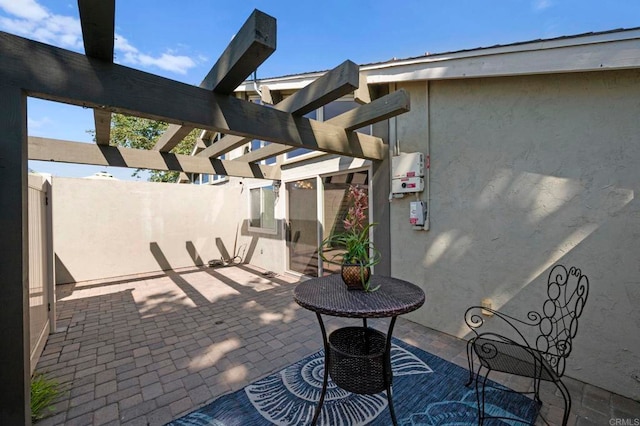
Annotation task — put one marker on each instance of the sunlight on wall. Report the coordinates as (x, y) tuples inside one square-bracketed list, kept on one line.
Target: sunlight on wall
[(549, 194), (214, 353), (505, 292), (449, 243), (542, 196), (615, 200), (555, 213)]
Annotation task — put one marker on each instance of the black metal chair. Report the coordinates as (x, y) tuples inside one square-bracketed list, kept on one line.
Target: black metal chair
[(538, 346)]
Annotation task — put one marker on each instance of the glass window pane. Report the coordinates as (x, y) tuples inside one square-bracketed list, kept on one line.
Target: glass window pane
[(302, 226), (254, 200), (337, 201), (300, 151), (268, 208), (336, 108), (297, 152), (366, 130)]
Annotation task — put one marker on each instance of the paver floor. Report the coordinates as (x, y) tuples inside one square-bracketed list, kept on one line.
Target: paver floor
[(148, 349)]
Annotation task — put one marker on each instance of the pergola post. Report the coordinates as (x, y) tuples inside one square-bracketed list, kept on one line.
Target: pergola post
[(14, 258), (380, 207)]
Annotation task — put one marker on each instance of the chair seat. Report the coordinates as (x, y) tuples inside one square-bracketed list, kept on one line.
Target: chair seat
[(509, 357)]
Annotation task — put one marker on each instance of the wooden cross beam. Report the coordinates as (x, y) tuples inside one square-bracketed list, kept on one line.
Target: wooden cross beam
[(388, 106), (56, 74), (46, 149), (97, 19), (334, 84), (253, 44)]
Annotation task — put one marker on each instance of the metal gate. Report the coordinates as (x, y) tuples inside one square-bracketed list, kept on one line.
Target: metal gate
[(41, 292)]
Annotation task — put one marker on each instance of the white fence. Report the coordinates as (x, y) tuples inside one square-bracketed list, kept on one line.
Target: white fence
[(41, 292)]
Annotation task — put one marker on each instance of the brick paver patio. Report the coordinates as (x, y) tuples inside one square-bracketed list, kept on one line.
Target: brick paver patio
[(145, 350)]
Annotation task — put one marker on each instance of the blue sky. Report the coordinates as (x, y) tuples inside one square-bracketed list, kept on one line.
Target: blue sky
[(181, 40)]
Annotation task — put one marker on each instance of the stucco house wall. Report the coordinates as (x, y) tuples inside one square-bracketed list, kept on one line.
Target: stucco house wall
[(109, 228), (527, 172)]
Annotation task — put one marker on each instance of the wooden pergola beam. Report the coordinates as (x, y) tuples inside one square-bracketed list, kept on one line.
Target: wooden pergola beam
[(102, 120), (56, 74), (253, 44), (46, 149), (14, 261), (97, 19), (334, 84), (388, 106)]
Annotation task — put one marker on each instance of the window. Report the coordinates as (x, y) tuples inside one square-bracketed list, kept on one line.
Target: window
[(202, 179), (262, 202), (327, 112), (257, 144), (301, 151), (219, 178), (334, 109)]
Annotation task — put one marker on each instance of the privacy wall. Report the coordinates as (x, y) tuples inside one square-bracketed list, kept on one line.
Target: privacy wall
[(109, 228), (527, 172)]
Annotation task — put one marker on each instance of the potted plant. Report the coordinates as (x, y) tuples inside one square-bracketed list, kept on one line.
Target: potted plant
[(357, 254)]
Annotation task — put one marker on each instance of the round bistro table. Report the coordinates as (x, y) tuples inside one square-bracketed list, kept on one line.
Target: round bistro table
[(358, 358)]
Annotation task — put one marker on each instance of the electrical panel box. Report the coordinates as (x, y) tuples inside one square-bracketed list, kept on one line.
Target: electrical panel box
[(417, 213), (406, 185), (407, 165)]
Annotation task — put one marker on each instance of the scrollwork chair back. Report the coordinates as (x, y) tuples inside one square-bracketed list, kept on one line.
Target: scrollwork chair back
[(539, 344)]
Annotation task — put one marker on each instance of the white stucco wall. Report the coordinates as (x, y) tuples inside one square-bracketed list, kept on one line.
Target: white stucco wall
[(107, 228), (527, 172)]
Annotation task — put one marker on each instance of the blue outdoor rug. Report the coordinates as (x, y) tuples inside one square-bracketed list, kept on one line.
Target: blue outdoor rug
[(427, 391)]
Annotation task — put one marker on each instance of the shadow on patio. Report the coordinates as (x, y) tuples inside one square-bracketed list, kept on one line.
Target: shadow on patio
[(147, 349)]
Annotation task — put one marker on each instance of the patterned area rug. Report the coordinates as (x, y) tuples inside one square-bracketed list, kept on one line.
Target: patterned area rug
[(427, 391)]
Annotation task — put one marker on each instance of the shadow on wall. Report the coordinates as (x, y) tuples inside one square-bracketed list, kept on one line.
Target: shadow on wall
[(256, 236), (193, 253), (62, 274), (222, 249), (159, 256)]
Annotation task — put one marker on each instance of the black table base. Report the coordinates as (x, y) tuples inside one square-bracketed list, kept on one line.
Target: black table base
[(358, 359)]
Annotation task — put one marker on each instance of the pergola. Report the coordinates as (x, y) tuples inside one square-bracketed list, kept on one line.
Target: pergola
[(92, 80)]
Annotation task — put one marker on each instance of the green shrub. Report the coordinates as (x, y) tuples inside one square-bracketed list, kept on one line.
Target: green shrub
[(43, 392)]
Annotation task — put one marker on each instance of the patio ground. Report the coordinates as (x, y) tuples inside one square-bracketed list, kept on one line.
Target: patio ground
[(145, 350)]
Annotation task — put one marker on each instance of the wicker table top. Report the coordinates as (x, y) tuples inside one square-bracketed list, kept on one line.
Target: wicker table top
[(329, 295)]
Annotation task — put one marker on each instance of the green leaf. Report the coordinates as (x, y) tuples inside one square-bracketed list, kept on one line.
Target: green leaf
[(141, 133)]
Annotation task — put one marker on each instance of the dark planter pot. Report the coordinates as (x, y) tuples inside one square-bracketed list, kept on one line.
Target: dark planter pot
[(355, 276)]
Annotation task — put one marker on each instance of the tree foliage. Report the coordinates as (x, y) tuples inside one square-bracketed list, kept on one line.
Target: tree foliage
[(141, 133)]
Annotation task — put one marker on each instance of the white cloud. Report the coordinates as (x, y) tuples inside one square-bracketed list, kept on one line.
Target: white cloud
[(34, 123), (30, 19), (168, 62), (121, 44), (26, 9), (539, 5)]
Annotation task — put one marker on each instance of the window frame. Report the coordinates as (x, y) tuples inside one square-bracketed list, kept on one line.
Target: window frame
[(261, 229)]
